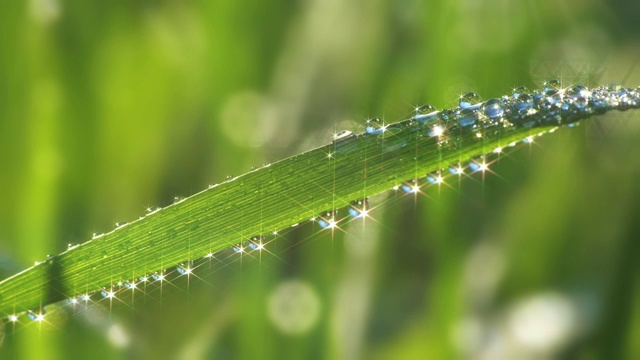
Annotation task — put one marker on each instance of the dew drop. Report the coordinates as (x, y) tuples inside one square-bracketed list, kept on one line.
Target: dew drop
[(435, 178), (436, 130), (156, 276), (39, 317), (410, 187), (328, 220), (475, 165), (493, 108), (550, 85), (120, 224), (72, 300), (130, 285), (184, 269), (256, 243), (374, 126), (577, 91), (524, 103), (467, 117), (85, 297), (470, 100), (456, 170), (178, 199), (12, 318), (238, 248), (151, 210), (519, 91), (358, 208), (425, 114), (343, 136), (107, 294)]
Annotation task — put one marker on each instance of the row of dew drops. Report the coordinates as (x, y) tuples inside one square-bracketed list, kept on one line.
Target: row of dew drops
[(328, 220), (552, 105)]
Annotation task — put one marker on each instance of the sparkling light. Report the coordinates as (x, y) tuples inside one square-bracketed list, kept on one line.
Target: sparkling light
[(259, 246), (484, 166), (73, 301), (13, 318), (438, 130), (85, 297), (498, 150), (459, 170), (39, 318)]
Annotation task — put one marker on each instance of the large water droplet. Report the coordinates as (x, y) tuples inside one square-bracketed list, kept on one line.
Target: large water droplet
[(552, 84), (107, 293), (425, 114), (519, 91), (374, 126), (328, 220), (358, 208), (577, 91), (435, 178), (36, 316), (158, 276), (184, 269), (343, 136), (494, 108), (467, 117), (470, 100), (256, 243)]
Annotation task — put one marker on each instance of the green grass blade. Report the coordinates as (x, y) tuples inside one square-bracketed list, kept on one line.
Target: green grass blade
[(294, 190)]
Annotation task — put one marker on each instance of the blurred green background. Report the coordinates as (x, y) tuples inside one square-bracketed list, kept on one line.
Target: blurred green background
[(107, 108)]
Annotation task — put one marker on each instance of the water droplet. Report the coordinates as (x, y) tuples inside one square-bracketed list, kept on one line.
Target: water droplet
[(425, 114), (374, 126), (478, 165), (39, 317), (615, 87), (158, 276), (238, 248), (435, 178), (72, 300), (178, 199), (358, 208), (71, 246), (524, 103), (96, 235), (493, 108), (130, 285), (12, 318), (550, 85), (328, 220), (184, 269), (436, 130), (470, 100), (467, 117), (577, 91), (456, 170), (85, 297), (519, 91), (151, 210), (256, 243), (343, 136), (107, 294), (410, 187), (120, 224)]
